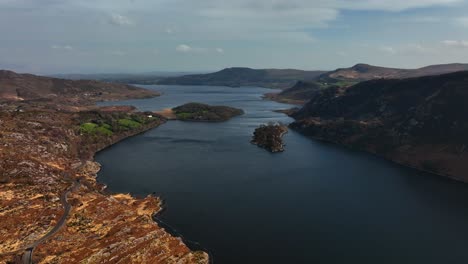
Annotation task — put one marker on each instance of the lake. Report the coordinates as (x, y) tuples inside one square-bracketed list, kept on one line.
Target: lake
[(314, 203)]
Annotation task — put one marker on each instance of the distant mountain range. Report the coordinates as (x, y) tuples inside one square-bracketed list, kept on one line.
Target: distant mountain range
[(302, 83), (133, 78), (345, 77), (20, 87), (364, 72), (272, 78), (421, 122), (235, 77)]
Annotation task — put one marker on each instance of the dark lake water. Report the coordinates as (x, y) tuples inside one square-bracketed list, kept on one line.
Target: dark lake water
[(314, 203)]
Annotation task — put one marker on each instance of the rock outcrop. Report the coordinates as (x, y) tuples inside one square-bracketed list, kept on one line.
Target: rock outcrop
[(270, 137)]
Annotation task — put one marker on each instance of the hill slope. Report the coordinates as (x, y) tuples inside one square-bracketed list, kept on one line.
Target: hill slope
[(19, 87), (300, 93), (303, 91), (235, 77), (364, 72), (421, 122)]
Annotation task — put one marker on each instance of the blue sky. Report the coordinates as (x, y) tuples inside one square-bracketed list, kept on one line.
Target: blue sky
[(89, 36)]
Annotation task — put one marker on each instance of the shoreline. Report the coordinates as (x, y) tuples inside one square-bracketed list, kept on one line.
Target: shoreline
[(275, 98), (193, 245), (76, 236), (394, 161)]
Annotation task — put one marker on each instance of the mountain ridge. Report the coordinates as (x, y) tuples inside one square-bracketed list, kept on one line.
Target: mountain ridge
[(243, 76), (302, 91), (364, 72)]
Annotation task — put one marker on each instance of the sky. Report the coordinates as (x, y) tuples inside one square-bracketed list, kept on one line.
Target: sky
[(131, 36)]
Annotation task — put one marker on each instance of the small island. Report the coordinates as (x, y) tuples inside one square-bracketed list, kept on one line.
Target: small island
[(270, 137), (204, 112)]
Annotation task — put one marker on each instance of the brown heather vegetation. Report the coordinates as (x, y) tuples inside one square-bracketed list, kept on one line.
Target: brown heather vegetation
[(46, 147)]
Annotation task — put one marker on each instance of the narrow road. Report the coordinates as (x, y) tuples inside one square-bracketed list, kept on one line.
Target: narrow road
[(28, 254)]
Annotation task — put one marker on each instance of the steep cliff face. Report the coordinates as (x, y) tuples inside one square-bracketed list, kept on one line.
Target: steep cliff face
[(421, 122)]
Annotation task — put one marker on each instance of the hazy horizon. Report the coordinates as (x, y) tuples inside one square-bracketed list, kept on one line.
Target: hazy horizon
[(176, 72), (137, 36)]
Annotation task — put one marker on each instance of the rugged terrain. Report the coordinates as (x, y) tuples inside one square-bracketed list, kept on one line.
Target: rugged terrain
[(302, 91), (52, 209), (204, 112), (24, 87), (420, 122), (364, 72), (270, 137), (235, 77)]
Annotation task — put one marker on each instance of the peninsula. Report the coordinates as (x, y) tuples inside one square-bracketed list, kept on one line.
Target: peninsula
[(52, 209)]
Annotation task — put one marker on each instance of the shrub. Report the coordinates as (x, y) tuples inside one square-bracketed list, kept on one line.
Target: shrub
[(184, 116), (129, 123), (95, 129)]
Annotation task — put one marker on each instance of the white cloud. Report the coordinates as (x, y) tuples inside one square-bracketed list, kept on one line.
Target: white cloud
[(388, 49), (456, 43), (184, 48), (462, 21), (62, 47), (341, 53), (393, 5), (117, 53), (133, 5), (407, 49), (416, 48), (120, 20)]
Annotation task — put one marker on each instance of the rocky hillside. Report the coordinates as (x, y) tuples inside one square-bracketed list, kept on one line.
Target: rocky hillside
[(52, 209), (46, 159), (364, 72), (20, 87), (304, 90), (421, 122), (235, 77), (300, 93)]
